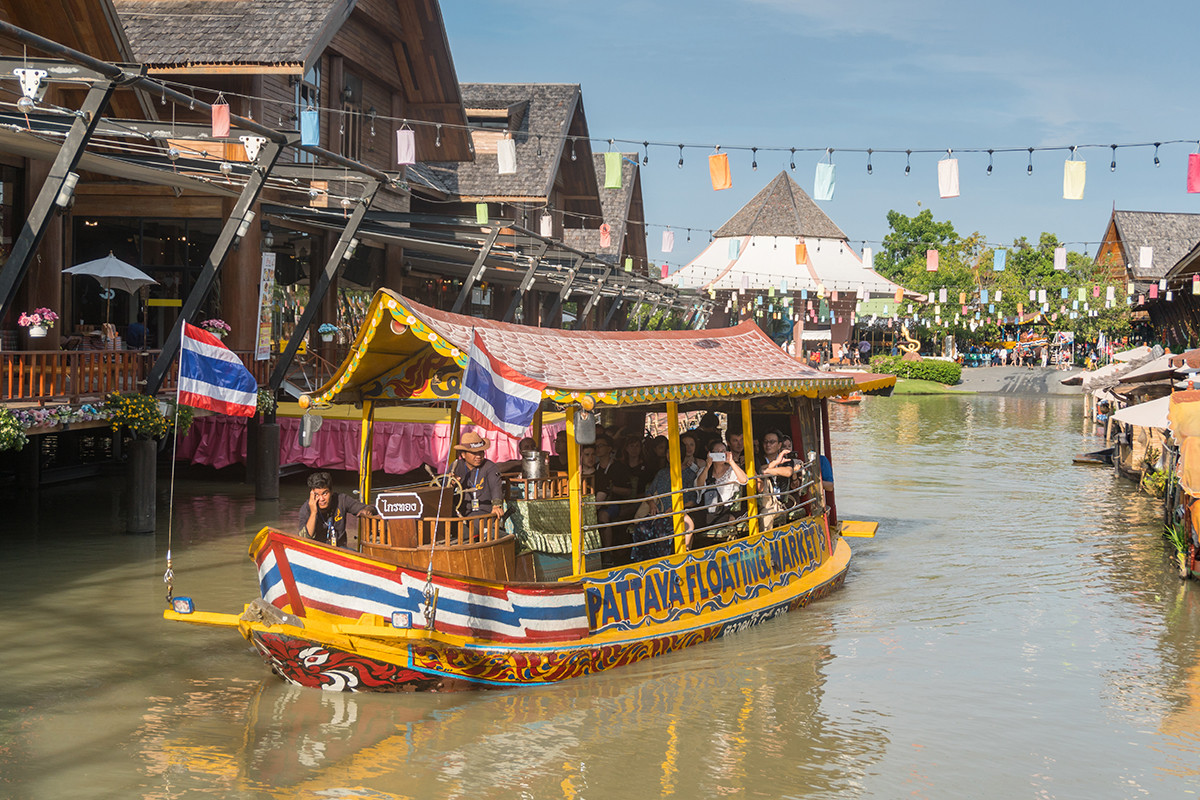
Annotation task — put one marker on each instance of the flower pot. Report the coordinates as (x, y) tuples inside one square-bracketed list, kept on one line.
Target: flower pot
[(326, 337), (37, 331)]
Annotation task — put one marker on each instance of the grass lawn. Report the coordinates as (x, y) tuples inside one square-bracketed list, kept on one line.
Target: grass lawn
[(915, 386)]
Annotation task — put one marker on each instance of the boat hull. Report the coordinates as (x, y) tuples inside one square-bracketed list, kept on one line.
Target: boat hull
[(700, 596)]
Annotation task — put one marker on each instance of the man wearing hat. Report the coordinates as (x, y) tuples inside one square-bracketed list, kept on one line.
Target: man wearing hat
[(483, 491)]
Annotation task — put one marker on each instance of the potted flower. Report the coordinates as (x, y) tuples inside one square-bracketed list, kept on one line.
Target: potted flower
[(327, 330), (217, 327), (39, 321)]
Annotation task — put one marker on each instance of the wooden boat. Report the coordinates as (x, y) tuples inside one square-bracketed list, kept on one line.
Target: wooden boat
[(443, 602), (1096, 458), (852, 399)]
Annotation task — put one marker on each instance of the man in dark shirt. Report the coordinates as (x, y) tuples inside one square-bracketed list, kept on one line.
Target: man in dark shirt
[(323, 515), (483, 492)]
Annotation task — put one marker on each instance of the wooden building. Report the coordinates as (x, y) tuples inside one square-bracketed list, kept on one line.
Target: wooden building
[(1166, 239), (366, 66)]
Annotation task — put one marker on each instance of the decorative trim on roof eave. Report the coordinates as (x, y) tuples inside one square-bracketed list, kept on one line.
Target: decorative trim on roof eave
[(816, 387), (226, 68)]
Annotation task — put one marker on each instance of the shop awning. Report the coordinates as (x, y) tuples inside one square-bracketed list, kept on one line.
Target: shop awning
[(1146, 415)]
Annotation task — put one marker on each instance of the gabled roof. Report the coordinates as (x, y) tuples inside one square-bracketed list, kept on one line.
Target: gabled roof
[(782, 208), (542, 116), (1172, 235), (180, 33), (617, 206), (406, 350)]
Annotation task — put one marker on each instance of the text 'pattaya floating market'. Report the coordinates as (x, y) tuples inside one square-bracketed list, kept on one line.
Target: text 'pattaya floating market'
[(784, 262)]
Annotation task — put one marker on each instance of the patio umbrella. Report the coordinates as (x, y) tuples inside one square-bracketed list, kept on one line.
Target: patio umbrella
[(113, 273)]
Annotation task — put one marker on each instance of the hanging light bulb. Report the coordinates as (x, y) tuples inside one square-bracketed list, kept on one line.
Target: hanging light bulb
[(870, 169), (1113, 166), (907, 162), (680, 165), (1029, 169), (437, 139), (646, 153), (25, 105), (572, 149), (793, 164), (1156, 146), (989, 169), (754, 158), (173, 154), (226, 168)]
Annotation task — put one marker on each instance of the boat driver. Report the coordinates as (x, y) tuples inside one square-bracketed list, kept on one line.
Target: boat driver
[(323, 515), (483, 492)]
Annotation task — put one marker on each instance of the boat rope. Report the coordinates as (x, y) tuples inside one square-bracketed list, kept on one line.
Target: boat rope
[(430, 593), (169, 575)]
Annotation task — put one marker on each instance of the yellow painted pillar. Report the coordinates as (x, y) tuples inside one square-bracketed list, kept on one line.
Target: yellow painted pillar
[(574, 496), (748, 452), (364, 452), (676, 460)]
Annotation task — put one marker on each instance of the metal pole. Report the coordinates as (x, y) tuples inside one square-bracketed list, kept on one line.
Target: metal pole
[(566, 289), (208, 275), (284, 362), (526, 282), (476, 269), (17, 264)]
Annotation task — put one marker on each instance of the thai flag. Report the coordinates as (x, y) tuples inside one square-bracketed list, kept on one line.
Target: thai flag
[(495, 396), (212, 377)]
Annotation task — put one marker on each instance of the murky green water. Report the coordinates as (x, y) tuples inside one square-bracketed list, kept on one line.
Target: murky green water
[(1015, 630)]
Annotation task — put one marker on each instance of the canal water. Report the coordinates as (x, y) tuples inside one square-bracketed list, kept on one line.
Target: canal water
[(1016, 629)]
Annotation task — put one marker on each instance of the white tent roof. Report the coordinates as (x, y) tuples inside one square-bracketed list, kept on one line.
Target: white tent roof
[(1158, 368), (1146, 415), (766, 262), (1130, 355)]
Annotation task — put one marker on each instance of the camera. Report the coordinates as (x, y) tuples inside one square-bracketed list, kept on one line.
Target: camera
[(717, 456), (792, 455)]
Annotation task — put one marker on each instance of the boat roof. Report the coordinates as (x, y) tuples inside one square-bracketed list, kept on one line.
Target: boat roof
[(406, 352)]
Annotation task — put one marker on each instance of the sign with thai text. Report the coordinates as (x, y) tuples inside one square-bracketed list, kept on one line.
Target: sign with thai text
[(706, 581), (266, 291), (399, 505)]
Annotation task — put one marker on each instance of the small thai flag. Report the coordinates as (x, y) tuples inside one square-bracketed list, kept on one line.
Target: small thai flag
[(212, 377), (495, 396)]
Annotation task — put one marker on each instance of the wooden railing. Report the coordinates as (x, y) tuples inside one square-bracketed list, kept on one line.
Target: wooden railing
[(448, 531), (77, 375)]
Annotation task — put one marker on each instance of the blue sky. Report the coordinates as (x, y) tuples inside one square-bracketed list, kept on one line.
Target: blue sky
[(924, 74)]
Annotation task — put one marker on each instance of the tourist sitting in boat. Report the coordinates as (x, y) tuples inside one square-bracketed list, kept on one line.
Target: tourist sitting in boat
[(323, 515), (737, 447), (691, 467), (482, 488), (558, 461), (526, 445), (613, 481), (647, 530), (777, 464), (722, 480)]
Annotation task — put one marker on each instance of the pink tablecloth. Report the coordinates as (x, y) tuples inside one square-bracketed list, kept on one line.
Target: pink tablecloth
[(396, 448)]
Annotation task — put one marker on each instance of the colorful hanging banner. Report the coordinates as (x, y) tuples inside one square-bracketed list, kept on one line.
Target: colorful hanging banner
[(668, 241), (1193, 173), (1060, 258), (310, 128), (718, 171), (506, 156), (1145, 258), (801, 253), (735, 248), (612, 170), (931, 260), (948, 177), (406, 145), (220, 119), (1074, 177), (546, 226), (481, 213), (605, 235), (824, 182), (999, 257)]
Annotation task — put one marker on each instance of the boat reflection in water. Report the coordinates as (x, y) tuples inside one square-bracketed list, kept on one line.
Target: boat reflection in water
[(699, 727)]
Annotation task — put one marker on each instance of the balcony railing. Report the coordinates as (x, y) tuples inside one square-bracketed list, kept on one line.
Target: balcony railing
[(77, 375)]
